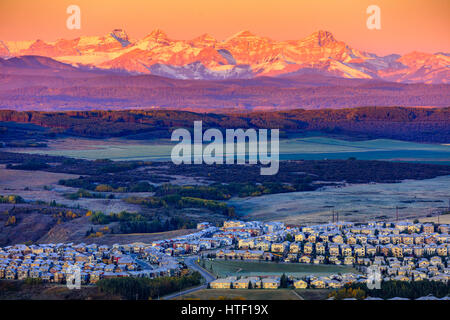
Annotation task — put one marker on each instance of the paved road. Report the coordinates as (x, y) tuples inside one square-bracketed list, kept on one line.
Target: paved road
[(144, 265), (299, 296), (190, 263), (174, 295)]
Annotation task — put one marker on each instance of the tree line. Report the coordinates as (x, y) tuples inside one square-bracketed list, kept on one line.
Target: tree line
[(404, 123), (146, 288)]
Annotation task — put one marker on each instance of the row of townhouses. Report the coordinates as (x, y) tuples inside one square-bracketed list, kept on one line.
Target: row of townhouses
[(55, 262), (400, 250)]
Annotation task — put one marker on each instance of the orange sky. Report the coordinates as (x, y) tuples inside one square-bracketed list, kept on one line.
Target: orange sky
[(407, 25)]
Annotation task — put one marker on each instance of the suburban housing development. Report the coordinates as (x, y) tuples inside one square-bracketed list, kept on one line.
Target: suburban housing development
[(403, 251)]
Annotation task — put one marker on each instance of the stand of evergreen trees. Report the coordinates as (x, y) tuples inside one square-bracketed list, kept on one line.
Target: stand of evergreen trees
[(406, 289), (146, 288), (136, 223)]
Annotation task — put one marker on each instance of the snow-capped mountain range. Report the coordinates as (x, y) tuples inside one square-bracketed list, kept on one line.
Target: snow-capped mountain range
[(241, 56)]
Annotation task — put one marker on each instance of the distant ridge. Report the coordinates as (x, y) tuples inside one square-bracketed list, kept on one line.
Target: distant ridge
[(41, 83)]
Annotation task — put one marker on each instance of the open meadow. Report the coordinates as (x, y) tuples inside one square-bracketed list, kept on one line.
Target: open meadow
[(316, 147), (354, 202)]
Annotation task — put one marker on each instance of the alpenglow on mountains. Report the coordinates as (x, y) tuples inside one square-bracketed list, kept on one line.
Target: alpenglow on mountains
[(241, 56)]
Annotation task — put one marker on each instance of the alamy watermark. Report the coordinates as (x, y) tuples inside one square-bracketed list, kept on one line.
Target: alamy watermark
[(251, 143), (374, 20), (73, 277), (373, 278), (74, 20)]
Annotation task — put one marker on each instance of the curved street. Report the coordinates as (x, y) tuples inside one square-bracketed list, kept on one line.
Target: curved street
[(190, 263)]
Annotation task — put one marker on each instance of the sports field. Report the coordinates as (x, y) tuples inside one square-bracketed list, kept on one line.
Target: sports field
[(224, 268)]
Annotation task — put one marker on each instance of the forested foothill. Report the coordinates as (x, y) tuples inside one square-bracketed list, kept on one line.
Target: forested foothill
[(401, 123)]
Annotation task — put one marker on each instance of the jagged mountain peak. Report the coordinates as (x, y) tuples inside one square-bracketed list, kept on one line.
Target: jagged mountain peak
[(206, 36), (321, 38), (244, 34), (157, 34), (204, 40), (242, 55), (121, 36)]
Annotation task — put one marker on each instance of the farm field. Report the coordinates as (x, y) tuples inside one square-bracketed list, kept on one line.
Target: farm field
[(43, 186), (442, 219), (224, 268), (355, 202), (293, 148), (19, 179), (244, 294)]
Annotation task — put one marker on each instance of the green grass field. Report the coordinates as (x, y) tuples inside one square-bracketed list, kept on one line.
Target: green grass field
[(224, 268)]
